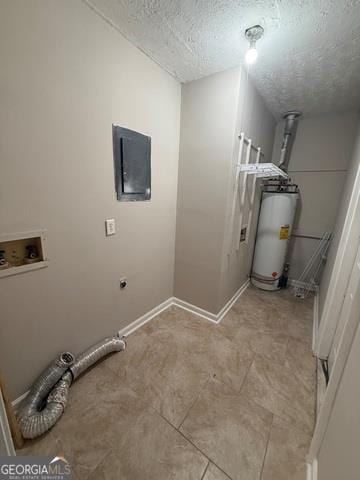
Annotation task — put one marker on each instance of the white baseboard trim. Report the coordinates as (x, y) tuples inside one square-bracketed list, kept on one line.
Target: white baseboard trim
[(212, 317), (200, 312), (17, 400), (139, 322), (312, 470), (232, 300), (315, 321), (7, 445)]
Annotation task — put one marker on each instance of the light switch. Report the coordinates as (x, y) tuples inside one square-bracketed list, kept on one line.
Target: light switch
[(110, 226)]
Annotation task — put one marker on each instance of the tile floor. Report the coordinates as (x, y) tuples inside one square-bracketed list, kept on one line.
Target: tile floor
[(192, 400)]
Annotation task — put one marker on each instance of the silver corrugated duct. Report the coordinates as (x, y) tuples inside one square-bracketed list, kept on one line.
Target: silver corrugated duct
[(291, 122), (95, 352), (52, 387), (36, 419)]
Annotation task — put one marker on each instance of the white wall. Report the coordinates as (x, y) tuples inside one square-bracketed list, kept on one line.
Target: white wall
[(339, 433), (65, 77), (208, 117), (340, 219), (340, 262), (215, 110), (339, 453), (318, 164), (258, 124)]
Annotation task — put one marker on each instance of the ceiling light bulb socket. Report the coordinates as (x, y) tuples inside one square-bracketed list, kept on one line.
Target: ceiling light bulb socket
[(292, 113), (254, 33)]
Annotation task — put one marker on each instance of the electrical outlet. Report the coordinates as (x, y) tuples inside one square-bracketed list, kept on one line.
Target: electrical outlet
[(110, 226)]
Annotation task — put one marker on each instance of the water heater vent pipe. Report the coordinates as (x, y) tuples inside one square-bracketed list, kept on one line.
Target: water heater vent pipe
[(291, 121)]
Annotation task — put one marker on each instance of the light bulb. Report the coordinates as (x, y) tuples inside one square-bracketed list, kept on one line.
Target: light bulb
[(251, 56)]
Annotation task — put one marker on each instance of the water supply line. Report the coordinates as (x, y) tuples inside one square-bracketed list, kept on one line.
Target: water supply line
[(48, 396), (291, 122)]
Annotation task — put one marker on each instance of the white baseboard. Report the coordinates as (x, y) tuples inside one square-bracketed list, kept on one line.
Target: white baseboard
[(139, 322), (17, 400), (200, 312), (315, 289), (315, 321), (7, 445), (312, 470), (232, 300), (211, 317)]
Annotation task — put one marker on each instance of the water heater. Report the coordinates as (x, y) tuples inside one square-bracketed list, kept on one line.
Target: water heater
[(277, 213), (274, 229)]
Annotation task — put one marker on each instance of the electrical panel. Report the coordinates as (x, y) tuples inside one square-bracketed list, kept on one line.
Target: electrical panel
[(132, 163)]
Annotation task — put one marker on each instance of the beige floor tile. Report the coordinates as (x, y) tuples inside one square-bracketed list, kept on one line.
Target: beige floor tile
[(170, 385), (277, 389), (153, 450), (304, 306), (264, 318), (162, 373), (47, 445), (223, 359), (253, 305), (214, 473), (94, 422), (286, 453), (268, 344), (231, 431), (82, 433), (192, 371), (278, 311), (282, 300), (176, 320), (300, 359), (125, 363), (97, 385), (300, 328), (177, 358)]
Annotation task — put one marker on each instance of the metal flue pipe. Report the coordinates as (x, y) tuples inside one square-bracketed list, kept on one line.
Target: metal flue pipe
[(291, 121)]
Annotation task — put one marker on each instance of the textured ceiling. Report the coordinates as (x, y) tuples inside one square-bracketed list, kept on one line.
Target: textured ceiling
[(309, 57)]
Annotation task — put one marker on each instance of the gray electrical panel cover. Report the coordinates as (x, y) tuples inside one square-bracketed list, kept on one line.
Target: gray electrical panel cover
[(132, 163)]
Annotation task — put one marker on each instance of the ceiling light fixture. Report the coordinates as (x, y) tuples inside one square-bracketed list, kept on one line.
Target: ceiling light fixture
[(253, 34)]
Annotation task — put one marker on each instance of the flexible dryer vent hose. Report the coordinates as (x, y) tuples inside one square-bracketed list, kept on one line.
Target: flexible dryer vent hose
[(47, 399)]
